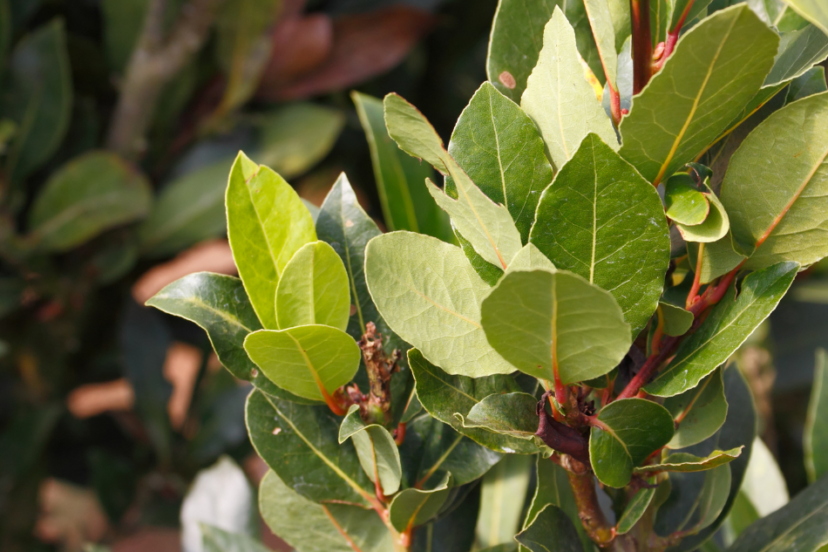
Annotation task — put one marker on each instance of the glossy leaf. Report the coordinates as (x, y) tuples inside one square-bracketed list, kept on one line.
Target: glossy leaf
[(558, 97), (311, 361), (715, 226), (500, 149), (635, 509), (85, 197), (376, 449), (515, 43), (716, 68), (689, 463), (502, 494), (629, 430), (702, 411), (684, 203), (430, 296), (266, 224), (676, 320), (312, 527), (508, 413), (444, 395), (486, 225), (405, 201), (695, 502), (798, 52), (777, 212), (413, 507), (816, 425), (219, 540), (39, 98), (538, 537), (813, 10), (541, 322), (188, 210), (727, 326), (602, 221), (313, 289), (300, 444)]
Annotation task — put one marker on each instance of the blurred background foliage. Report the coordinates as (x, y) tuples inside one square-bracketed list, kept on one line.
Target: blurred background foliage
[(119, 120)]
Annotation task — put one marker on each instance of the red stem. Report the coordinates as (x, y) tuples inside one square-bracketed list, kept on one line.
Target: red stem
[(642, 44), (673, 36)]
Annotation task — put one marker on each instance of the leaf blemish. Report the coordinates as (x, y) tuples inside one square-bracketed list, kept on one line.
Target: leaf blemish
[(507, 80)]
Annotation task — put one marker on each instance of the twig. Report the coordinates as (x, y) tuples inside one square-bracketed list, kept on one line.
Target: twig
[(673, 36), (153, 63)]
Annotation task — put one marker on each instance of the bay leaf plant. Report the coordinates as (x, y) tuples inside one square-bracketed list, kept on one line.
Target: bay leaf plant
[(613, 246)]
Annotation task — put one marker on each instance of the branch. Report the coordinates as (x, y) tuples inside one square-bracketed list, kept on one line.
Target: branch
[(153, 63)]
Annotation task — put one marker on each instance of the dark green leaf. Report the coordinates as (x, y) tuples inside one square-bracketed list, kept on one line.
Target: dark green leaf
[(727, 326), (502, 495), (376, 449), (809, 83), (703, 409), (629, 431), (509, 413), (453, 529), (551, 531), (695, 502), (635, 508), (413, 507), (816, 426), (122, 23), (488, 272)]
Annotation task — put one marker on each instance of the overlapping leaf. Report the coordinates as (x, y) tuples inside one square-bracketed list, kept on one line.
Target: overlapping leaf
[(683, 202), (610, 22), (675, 320), (702, 411), (413, 507), (635, 509), (798, 51), (688, 463), (696, 501), (376, 449), (507, 413), (813, 10), (551, 520), (502, 496), (714, 227)]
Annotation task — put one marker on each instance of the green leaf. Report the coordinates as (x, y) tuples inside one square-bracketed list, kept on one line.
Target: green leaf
[(635, 508), (432, 448), (696, 8), (716, 68), (376, 449), (727, 326), (740, 517), (122, 23), (311, 361), (485, 224), (813, 10), (551, 531), (218, 304), (312, 527), (453, 529), (764, 485), (500, 149), (266, 224), (219, 540), (405, 201), (85, 197), (602, 221), (515, 43), (530, 258), (313, 289), (413, 507), (502, 495), (702, 411), (720, 257), (695, 502), (488, 272), (544, 322), (294, 138), (676, 320), (38, 99), (628, 431), (610, 22), (816, 426), (559, 99), (776, 213), (715, 226), (509, 413), (809, 83), (430, 296), (798, 52), (443, 395), (684, 203), (300, 444), (188, 210), (687, 463)]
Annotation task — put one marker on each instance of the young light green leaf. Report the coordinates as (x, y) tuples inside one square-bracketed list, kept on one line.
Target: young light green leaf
[(312, 527), (313, 289), (376, 449), (544, 322), (628, 431), (558, 97), (696, 500), (266, 224), (700, 411), (809, 83), (85, 197), (430, 296), (218, 304), (485, 224), (715, 226), (38, 99), (515, 42), (635, 508), (691, 100), (676, 321), (502, 494), (500, 149), (413, 507), (604, 222), (798, 51), (405, 202), (311, 361), (813, 10), (816, 426), (777, 212), (188, 210), (729, 324), (687, 463), (683, 202), (444, 395), (508, 413), (219, 540), (538, 537), (300, 444), (530, 258)]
